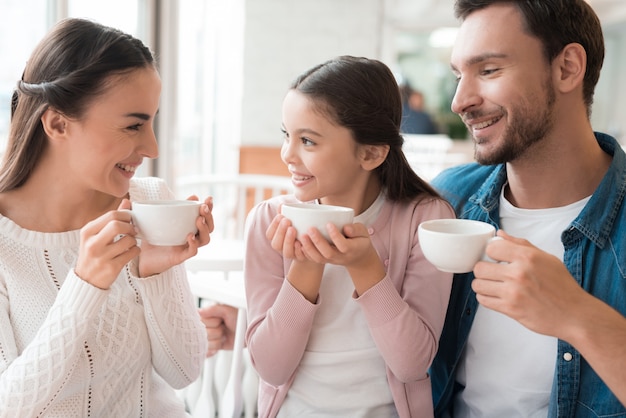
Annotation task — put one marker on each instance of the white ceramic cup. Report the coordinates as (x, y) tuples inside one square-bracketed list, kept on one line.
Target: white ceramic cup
[(306, 215), (455, 245), (165, 222)]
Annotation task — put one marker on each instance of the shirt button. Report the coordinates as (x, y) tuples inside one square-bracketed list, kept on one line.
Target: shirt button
[(370, 231), (386, 263), (568, 357)]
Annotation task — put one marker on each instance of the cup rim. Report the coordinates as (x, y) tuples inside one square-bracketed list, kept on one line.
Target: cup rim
[(165, 202), (317, 206), (485, 227)]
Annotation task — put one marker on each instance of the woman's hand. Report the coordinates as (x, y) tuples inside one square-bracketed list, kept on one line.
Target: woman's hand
[(156, 259), (107, 244)]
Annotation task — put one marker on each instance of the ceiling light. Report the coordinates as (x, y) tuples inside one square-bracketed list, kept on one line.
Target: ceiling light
[(443, 37)]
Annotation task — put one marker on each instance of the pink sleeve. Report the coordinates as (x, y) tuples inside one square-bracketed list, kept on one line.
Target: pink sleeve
[(279, 317), (406, 310)]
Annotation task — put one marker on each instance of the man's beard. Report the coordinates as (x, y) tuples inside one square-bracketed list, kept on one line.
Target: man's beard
[(528, 126)]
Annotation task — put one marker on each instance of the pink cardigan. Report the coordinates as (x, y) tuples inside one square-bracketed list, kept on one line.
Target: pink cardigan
[(405, 311)]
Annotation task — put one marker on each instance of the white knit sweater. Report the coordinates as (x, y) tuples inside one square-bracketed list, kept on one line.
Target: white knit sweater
[(69, 349)]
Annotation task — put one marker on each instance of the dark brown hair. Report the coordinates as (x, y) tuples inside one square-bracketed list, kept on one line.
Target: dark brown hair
[(362, 95), (68, 69)]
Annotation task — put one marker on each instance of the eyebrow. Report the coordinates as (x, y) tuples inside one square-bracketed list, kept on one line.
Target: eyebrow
[(304, 131), (477, 59), (142, 116)]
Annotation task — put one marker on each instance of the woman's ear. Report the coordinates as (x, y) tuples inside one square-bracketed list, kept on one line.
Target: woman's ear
[(373, 156), (54, 123)]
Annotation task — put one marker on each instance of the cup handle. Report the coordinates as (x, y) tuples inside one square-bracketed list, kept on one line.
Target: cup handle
[(132, 222), (486, 257)]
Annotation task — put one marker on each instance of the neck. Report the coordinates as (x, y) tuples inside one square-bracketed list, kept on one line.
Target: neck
[(54, 208), (555, 174), (362, 198)]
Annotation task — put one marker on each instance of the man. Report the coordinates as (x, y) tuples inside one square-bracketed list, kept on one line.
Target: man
[(543, 332)]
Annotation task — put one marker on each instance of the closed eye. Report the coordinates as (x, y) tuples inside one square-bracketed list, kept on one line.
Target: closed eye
[(489, 71), (135, 127)]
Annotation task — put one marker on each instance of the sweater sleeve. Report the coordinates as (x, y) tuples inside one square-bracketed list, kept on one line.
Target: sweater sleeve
[(177, 336), (279, 317), (31, 381), (406, 310)]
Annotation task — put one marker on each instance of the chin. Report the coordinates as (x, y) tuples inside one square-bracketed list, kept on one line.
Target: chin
[(119, 191), (304, 197)]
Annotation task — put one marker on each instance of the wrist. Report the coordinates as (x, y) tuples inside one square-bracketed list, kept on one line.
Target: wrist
[(367, 274)]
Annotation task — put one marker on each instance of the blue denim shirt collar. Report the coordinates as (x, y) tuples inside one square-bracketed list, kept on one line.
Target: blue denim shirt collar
[(598, 217)]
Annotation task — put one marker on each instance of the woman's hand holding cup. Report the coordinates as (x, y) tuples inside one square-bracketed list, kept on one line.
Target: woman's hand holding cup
[(107, 244), (171, 232)]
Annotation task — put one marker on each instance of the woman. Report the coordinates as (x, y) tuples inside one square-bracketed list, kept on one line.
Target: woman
[(91, 323)]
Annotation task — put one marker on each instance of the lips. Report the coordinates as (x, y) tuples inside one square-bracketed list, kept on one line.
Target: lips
[(127, 168), (481, 125), (484, 124)]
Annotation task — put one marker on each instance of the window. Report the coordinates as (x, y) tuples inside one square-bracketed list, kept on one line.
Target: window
[(210, 64), (196, 42), (18, 37)]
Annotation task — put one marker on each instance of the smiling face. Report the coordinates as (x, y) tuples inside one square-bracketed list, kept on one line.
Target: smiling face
[(115, 134), (323, 158), (505, 93)]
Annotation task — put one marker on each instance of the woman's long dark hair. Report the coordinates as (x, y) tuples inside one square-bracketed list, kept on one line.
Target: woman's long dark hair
[(362, 95), (67, 70)]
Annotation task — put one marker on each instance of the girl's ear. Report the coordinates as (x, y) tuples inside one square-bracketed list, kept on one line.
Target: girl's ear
[(373, 156), (54, 123)]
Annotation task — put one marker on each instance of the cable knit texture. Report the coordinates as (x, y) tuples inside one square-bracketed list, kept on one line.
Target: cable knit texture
[(69, 349)]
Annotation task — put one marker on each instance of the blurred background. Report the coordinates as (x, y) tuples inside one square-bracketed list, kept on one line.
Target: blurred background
[(226, 65)]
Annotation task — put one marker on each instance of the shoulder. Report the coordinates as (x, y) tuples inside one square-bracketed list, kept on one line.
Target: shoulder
[(458, 183), (149, 188), (462, 177), (407, 215)]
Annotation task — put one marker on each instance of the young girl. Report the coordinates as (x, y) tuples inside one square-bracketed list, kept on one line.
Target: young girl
[(92, 324), (348, 327)]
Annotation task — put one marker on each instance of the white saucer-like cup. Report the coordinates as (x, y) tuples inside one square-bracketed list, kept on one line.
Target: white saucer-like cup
[(455, 245), (165, 222), (306, 215)]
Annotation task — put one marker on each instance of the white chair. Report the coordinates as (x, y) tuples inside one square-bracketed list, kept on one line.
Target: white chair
[(233, 196), (229, 384)]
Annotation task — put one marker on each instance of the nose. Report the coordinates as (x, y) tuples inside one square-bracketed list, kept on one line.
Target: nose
[(465, 97), (287, 151), (149, 147)]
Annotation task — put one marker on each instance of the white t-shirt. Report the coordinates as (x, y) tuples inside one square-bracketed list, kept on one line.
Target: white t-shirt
[(507, 370), (342, 373)]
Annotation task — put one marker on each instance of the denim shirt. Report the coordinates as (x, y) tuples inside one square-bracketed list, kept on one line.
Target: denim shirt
[(595, 255)]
